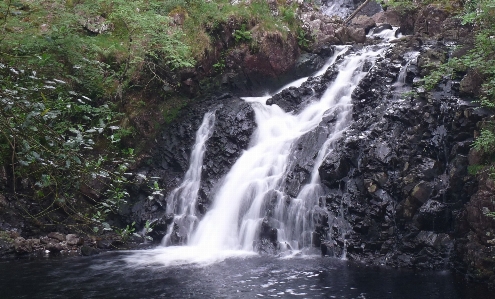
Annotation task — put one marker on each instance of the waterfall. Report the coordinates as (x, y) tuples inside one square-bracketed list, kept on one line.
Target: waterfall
[(410, 58), (232, 225), (182, 200), (238, 208)]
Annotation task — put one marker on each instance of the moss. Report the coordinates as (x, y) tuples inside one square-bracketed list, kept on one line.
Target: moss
[(5, 236)]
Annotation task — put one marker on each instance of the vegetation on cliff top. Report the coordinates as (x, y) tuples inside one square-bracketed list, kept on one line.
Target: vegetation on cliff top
[(67, 70)]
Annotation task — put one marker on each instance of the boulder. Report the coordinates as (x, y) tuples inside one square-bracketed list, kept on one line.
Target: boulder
[(74, 240), (363, 22), (470, 84), (421, 191), (57, 236), (433, 216), (89, 251), (21, 245), (430, 20)]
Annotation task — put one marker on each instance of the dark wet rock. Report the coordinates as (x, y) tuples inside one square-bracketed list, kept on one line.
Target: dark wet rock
[(471, 83), (434, 216), (6, 247), (74, 240), (309, 63), (295, 99), (22, 245), (350, 34), (233, 129), (430, 20), (393, 184), (334, 168), (476, 235), (363, 22), (104, 244), (89, 251), (57, 236), (421, 192)]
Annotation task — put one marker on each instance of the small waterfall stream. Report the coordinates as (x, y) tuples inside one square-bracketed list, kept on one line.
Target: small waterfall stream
[(182, 200), (232, 225)]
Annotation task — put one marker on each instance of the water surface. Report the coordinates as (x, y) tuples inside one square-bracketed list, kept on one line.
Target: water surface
[(110, 276)]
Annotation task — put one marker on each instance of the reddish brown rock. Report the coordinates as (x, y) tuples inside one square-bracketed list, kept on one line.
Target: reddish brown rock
[(74, 240), (363, 22), (430, 21), (391, 17), (471, 83), (476, 251), (350, 34)]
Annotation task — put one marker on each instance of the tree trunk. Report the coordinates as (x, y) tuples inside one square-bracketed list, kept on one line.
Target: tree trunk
[(356, 11)]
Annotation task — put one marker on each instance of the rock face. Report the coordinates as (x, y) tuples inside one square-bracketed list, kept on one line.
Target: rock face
[(476, 245), (240, 66), (397, 181), (249, 70), (393, 173)]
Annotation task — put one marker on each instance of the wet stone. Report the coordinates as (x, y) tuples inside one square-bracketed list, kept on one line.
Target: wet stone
[(56, 236)]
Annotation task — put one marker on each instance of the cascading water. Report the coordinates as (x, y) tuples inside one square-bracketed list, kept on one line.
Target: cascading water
[(182, 200), (233, 223), (410, 59)]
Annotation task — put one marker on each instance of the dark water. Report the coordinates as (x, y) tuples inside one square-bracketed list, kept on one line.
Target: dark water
[(108, 276)]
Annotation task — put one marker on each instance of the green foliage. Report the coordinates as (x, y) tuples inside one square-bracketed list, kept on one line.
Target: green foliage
[(481, 14), (219, 66), (171, 113), (126, 232), (475, 169), (148, 32), (242, 35), (302, 39), (51, 134), (148, 228), (485, 142), (440, 72), (289, 15)]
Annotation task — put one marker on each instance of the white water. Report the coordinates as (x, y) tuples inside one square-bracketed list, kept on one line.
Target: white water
[(232, 225), (182, 200), (410, 57)]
